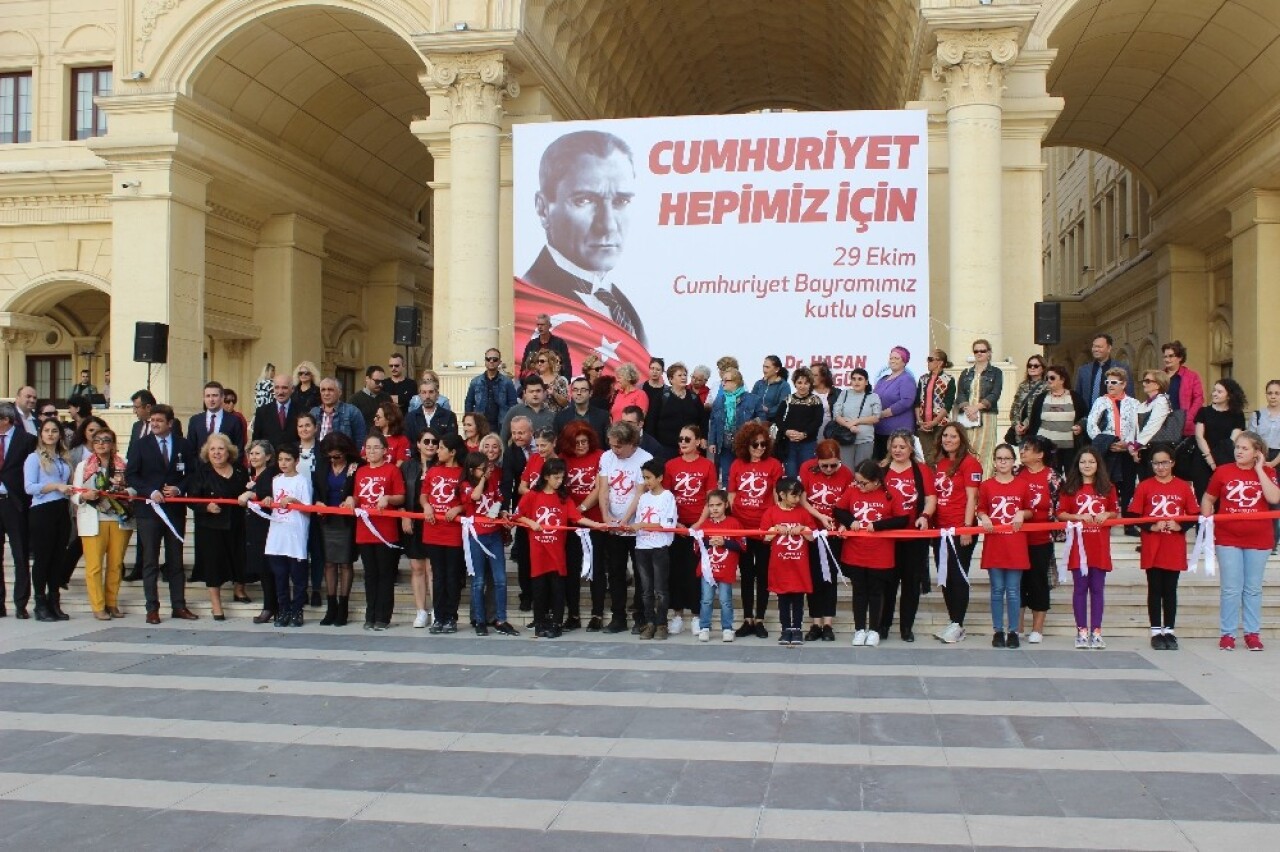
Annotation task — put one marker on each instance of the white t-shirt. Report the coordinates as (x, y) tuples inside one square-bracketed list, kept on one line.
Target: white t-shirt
[(288, 533), (307, 459), (623, 476), (655, 509)]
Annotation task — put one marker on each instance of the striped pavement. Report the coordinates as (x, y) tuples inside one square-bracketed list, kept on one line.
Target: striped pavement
[(230, 736)]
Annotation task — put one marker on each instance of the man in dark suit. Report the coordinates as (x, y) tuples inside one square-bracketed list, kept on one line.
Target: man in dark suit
[(586, 183), (429, 415), (514, 459), (277, 421), (15, 445), (1091, 377), (214, 419), (580, 408), (157, 469)]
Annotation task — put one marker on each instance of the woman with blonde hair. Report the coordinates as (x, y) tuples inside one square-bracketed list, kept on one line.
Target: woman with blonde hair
[(628, 393), (103, 523), (546, 364), (306, 386), (220, 532), (262, 389)]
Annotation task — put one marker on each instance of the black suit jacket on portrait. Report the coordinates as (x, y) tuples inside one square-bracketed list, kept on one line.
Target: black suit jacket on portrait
[(546, 274), (266, 424), (17, 446)]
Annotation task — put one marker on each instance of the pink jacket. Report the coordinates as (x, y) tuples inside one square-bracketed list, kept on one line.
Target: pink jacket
[(1190, 397)]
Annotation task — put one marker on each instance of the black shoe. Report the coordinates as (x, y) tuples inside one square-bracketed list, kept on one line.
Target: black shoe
[(908, 636), (1158, 642), (55, 609), (542, 633), (925, 587), (1131, 531), (380, 626), (222, 616), (263, 617), (482, 630), (525, 605), (436, 627), (132, 576), (594, 625), (636, 628), (4, 612), (43, 613), (506, 629), (573, 623), (242, 599), (615, 627), (814, 634), (21, 612), (747, 629), (555, 632), (1170, 642), (828, 634), (296, 621), (1011, 641), (368, 625), (344, 607), (331, 612), (997, 640), (283, 619), (761, 631), (315, 598), (450, 627)]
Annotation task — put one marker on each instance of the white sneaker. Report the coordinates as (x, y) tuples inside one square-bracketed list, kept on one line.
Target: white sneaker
[(951, 633), (675, 626), (1096, 643), (1035, 638), (726, 636), (859, 638), (941, 635), (1082, 639), (873, 638), (704, 635), (421, 620)]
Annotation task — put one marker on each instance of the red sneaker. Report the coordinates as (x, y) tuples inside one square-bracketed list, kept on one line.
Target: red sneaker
[(1227, 643), (1253, 641)]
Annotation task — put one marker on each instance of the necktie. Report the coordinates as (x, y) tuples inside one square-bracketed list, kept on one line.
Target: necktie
[(210, 427), (164, 450), (621, 318), (1095, 387), (281, 412), (3, 439)]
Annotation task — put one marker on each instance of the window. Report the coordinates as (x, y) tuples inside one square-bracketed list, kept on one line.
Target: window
[(87, 120), (346, 376), (15, 107), (51, 376)]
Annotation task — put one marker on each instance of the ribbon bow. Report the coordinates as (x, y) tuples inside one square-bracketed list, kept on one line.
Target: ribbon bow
[(469, 532), (946, 550), (164, 516), (826, 556), (1204, 546), (363, 515), (1075, 535), (588, 554), (700, 538)]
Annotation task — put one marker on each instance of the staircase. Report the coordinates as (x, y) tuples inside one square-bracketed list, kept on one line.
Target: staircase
[(1126, 601)]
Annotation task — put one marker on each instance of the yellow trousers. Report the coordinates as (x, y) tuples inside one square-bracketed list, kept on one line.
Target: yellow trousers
[(102, 582)]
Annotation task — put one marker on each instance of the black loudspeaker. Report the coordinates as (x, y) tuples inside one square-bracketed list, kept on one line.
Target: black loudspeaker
[(408, 326), (1048, 323), (151, 342)]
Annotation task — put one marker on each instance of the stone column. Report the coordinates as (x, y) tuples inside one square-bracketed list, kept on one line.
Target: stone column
[(466, 306), (1255, 267), (972, 64), (287, 265), (1184, 298), (16, 341)]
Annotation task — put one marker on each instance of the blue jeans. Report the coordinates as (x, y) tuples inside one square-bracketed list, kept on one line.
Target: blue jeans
[(724, 458), (798, 452), (709, 592), (1006, 597), (496, 566), (1241, 572)]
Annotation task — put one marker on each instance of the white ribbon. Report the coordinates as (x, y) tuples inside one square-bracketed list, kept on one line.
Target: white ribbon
[(704, 558), (469, 532), (588, 554), (258, 510), (1204, 546), (164, 516), (363, 515), (826, 557), (946, 549), (1075, 535)]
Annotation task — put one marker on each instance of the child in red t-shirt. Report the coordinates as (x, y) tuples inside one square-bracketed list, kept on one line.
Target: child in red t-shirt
[(442, 506), (1161, 498), (789, 527), (868, 561), (723, 553), (542, 509), (378, 485), (1004, 500), (1090, 497)]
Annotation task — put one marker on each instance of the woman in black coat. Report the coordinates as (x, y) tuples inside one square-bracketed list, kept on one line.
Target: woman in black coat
[(1057, 416)]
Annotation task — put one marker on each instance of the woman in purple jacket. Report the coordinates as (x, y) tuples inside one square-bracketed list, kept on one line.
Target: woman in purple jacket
[(897, 392)]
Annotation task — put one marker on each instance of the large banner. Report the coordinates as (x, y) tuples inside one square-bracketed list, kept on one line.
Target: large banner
[(802, 235)]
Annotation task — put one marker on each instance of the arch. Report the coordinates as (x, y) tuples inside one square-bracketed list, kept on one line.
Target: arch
[(1221, 342), (42, 293), (199, 39), (1148, 357), (344, 344), (19, 45), (1133, 168), (87, 39), (1051, 14)]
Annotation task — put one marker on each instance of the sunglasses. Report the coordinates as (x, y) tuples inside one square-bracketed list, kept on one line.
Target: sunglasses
[(828, 465), (542, 360), (685, 439), (49, 413), (304, 372), (758, 445), (1114, 382), (337, 457), (931, 358), (1035, 366), (430, 442), (491, 359), (981, 351)]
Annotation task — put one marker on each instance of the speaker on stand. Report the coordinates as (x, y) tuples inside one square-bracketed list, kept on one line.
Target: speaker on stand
[(151, 345), (1048, 323)]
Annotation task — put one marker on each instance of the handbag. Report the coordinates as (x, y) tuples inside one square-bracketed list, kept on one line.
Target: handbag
[(843, 435)]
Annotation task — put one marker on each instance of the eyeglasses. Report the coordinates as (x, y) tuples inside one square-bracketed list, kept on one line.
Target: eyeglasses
[(337, 457), (981, 351), (98, 440), (583, 439), (758, 445), (1053, 377), (685, 439), (860, 482), (430, 442), (828, 465), (1162, 463), (1008, 459), (492, 359)]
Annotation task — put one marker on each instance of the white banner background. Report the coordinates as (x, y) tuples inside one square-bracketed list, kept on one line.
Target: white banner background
[(845, 288)]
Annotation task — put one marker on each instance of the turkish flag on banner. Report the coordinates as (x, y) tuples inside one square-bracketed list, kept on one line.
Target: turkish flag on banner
[(585, 331)]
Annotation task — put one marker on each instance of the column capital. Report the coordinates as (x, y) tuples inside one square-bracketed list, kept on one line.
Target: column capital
[(475, 83), (972, 64)]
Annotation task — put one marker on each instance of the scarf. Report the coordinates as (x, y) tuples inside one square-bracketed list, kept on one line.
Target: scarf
[(731, 406), (97, 475)]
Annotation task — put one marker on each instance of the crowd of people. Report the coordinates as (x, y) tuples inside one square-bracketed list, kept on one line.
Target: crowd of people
[(659, 494)]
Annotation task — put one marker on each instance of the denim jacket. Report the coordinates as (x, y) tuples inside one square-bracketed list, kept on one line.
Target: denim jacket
[(347, 419), (478, 396), (988, 392)]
